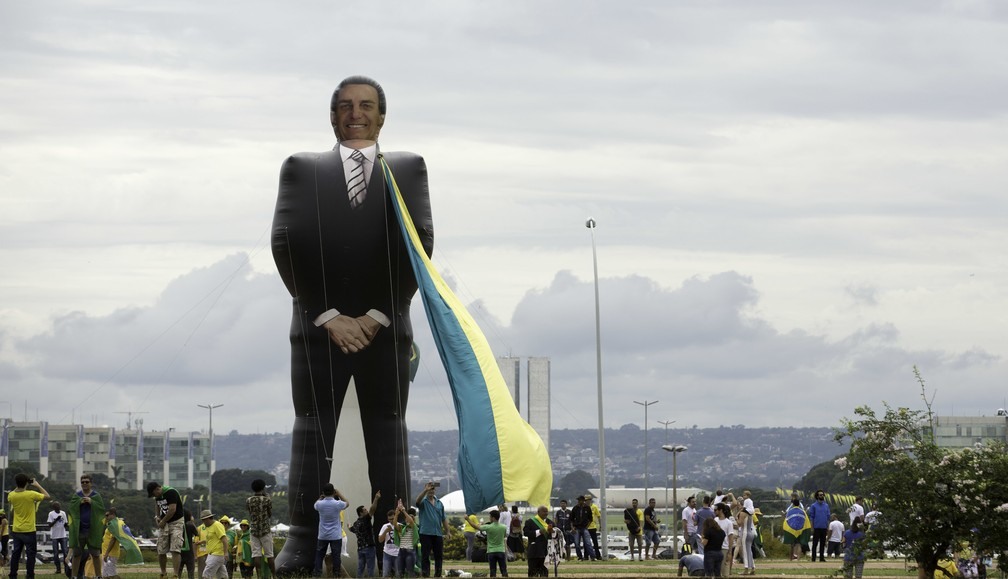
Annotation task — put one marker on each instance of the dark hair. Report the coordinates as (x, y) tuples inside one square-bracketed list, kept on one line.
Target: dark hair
[(21, 479), (707, 500), (361, 510), (390, 513), (710, 523), (358, 79), (328, 489), (514, 508), (495, 515), (855, 525), (111, 510), (795, 501), (258, 485)]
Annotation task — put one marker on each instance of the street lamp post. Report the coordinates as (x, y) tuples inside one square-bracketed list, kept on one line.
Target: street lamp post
[(667, 423), (675, 450), (645, 404), (210, 407), (590, 224)]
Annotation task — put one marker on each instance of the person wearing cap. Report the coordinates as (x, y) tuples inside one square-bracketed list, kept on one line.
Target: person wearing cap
[(198, 548), (169, 518), (243, 550), (232, 535), (215, 541), (581, 517)]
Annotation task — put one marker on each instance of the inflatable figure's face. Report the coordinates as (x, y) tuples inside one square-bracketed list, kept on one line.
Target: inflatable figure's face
[(356, 115)]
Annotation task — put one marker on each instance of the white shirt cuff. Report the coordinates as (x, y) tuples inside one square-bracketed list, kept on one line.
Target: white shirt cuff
[(325, 317), (372, 313), (379, 317)]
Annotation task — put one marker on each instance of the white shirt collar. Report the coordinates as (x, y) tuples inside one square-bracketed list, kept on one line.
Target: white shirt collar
[(369, 152)]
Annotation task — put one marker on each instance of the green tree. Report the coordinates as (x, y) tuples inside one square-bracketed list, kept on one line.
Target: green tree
[(827, 476), (930, 498), (233, 480), (574, 483)]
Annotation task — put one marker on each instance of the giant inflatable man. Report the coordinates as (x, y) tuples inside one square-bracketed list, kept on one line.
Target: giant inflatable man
[(341, 254)]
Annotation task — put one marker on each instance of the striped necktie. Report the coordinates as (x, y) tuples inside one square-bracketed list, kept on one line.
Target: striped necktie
[(356, 185)]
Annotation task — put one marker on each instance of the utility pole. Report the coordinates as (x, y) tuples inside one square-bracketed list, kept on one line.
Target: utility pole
[(645, 404), (210, 407), (667, 423)]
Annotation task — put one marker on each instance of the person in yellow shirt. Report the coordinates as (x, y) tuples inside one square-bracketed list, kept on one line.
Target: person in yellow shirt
[(109, 549), (4, 537), (215, 542), (24, 504), (593, 526), (200, 549), (469, 531)]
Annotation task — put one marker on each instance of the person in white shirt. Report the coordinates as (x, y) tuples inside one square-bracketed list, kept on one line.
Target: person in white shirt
[(390, 550), (857, 509), (58, 532), (723, 512), (505, 519), (690, 536), (835, 531)]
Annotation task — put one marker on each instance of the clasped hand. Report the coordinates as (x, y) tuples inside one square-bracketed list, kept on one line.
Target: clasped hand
[(352, 334)]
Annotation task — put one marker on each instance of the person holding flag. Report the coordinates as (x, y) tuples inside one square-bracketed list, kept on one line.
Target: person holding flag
[(797, 527), (87, 528), (117, 544)]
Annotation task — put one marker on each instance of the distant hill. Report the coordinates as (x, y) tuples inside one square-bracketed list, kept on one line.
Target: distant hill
[(724, 456)]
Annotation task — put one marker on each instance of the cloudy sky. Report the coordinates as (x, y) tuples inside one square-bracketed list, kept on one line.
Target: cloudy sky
[(796, 202)]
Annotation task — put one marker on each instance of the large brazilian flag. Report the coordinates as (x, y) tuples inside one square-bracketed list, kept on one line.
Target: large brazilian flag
[(500, 458), (129, 553), (796, 525)]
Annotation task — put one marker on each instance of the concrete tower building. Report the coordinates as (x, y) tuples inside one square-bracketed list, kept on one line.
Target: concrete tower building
[(510, 367), (539, 397)]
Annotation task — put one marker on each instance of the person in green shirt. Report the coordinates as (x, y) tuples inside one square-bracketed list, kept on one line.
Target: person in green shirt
[(496, 534)]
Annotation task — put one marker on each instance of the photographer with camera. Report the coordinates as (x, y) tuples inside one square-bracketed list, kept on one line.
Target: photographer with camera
[(433, 529), (24, 504), (58, 532)]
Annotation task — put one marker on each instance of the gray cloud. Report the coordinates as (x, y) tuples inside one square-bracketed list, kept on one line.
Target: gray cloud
[(796, 201)]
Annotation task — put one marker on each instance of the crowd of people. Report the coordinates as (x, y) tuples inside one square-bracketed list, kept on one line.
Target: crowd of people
[(721, 531), (88, 538)]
